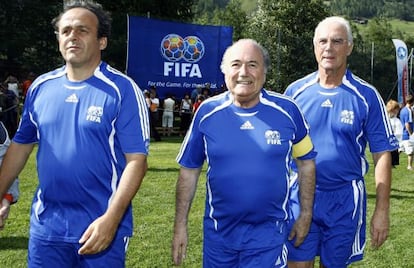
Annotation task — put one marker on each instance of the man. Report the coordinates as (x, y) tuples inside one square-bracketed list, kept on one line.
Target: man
[(12, 195), (406, 117), (168, 115), (344, 113), (9, 103), (154, 113), (195, 93), (393, 110), (91, 125), (26, 84), (248, 136)]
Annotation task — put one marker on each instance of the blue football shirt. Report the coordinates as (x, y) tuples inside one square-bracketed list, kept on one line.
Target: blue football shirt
[(406, 117), (248, 152), (343, 120), (83, 129)]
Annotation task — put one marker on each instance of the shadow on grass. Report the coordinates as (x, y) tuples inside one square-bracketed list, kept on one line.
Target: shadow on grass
[(401, 191), (13, 242), (396, 194), (158, 169), (172, 139)]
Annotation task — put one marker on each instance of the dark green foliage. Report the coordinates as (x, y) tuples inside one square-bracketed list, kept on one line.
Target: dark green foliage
[(403, 10), (285, 28), (29, 44), (27, 38)]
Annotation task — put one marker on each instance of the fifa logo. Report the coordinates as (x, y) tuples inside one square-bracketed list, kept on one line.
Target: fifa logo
[(175, 48), (347, 117), (94, 114), (273, 137)]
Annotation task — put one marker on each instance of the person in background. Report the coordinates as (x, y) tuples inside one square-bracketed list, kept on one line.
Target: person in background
[(344, 113), (153, 130), (406, 117), (168, 115), (393, 109), (13, 193), (154, 114), (13, 85), (195, 93), (9, 106), (206, 92), (199, 100), (248, 136), (90, 124), (185, 113), (26, 84)]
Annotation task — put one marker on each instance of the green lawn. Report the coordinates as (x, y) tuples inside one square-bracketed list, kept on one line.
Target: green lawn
[(154, 213), (405, 27)]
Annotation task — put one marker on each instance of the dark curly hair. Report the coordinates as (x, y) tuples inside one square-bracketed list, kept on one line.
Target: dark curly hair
[(104, 17)]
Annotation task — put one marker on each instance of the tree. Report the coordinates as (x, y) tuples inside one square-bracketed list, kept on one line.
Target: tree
[(174, 10), (356, 8), (378, 39), (231, 15), (28, 40), (286, 28)]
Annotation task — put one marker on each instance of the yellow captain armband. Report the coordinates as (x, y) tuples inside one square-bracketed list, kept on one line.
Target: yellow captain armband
[(303, 147)]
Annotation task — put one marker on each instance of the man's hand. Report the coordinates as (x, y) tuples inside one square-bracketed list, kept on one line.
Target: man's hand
[(380, 223), (4, 212), (179, 244), (98, 236), (300, 229)]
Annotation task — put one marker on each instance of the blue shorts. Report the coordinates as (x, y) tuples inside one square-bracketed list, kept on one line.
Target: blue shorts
[(337, 232), (45, 254), (217, 255)]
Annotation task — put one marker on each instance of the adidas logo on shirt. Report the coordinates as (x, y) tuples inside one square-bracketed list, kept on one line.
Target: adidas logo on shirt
[(247, 125), (327, 103), (72, 98)]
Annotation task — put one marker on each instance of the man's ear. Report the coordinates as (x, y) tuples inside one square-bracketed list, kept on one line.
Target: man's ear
[(350, 47), (103, 42)]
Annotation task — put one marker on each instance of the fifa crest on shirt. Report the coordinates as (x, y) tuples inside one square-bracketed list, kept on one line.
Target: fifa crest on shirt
[(347, 117), (94, 114), (273, 137)]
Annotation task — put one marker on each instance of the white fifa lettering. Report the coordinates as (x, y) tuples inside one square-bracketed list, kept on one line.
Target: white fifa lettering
[(168, 68), (182, 70)]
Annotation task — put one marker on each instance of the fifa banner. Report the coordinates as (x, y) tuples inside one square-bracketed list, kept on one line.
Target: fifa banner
[(175, 57), (402, 69)]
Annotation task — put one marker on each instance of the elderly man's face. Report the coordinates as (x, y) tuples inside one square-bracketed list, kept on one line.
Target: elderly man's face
[(244, 72)]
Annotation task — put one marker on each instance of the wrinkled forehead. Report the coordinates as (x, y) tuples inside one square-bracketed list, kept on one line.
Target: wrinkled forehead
[(78, 17), (331, 29), (245, 52)]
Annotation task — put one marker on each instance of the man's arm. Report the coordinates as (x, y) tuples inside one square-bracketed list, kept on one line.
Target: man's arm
[(185, 191), (13, 163), (101, 232), (408, 128), (306, 177), (380, 220)]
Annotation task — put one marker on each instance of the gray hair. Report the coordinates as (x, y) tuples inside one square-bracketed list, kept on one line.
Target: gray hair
[(335, 19)]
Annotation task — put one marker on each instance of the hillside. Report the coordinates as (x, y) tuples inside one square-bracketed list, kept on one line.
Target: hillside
[(398, 25), (403, 26), (406, 27)]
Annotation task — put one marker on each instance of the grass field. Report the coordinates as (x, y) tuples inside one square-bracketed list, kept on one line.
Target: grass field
[(405, 27), (154, 213)]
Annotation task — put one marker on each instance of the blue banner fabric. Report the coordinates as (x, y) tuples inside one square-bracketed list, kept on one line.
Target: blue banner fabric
[(175, 57)]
